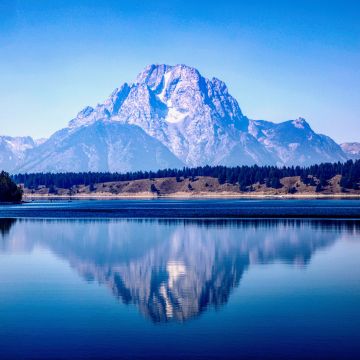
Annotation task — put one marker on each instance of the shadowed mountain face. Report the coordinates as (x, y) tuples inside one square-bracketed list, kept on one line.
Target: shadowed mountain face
[(173, 270)]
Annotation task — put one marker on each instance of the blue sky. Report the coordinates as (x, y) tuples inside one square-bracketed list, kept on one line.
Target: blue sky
[(280, 59)]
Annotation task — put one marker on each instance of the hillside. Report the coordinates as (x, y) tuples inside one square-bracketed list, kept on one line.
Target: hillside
[(191, 187), (327, 178)]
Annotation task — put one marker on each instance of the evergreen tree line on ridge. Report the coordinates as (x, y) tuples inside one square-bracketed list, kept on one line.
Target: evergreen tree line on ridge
[(244, 176)]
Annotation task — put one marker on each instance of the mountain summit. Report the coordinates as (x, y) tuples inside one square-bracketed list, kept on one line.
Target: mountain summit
[(172, 116), (195, 118)]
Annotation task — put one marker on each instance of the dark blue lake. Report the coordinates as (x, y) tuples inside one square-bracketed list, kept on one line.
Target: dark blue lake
[(189, 208), (80, 283)]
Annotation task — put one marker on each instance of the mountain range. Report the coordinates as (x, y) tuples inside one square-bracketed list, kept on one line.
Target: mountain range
[(170, 116)]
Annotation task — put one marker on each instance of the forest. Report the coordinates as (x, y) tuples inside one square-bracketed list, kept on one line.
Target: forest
[(244, 176)]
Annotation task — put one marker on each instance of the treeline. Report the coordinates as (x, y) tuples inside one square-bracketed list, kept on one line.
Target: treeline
[(9, 191), (244, 176)]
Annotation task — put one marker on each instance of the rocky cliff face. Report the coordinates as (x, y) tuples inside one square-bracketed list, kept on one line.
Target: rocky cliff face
[(173, 116)]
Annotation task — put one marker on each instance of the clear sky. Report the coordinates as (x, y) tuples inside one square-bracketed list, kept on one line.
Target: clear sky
[(280, 59)]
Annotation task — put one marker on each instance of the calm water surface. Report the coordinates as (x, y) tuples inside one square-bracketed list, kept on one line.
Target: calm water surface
[(189, 208), (190, 288)]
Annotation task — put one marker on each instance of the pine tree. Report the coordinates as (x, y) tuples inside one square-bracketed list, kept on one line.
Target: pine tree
[(9, 191)]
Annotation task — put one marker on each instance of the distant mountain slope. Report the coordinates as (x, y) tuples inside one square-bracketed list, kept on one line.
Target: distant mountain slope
[(294, 142), (352, 150), (171, 116), (12, 151), (100, 146)]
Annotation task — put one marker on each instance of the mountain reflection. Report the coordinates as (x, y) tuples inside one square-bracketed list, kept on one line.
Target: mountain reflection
[(173, 270)]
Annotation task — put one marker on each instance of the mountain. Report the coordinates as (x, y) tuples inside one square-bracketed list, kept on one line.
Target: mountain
[(352, 150), (102, 146), (172, 116), (294, 142), (195, 118), (12, 151)]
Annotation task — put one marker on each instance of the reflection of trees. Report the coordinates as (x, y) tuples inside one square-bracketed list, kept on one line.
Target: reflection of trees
[(5, 225), (175, 269)]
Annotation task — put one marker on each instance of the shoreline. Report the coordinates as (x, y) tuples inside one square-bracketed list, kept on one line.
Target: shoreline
[(187, 196)]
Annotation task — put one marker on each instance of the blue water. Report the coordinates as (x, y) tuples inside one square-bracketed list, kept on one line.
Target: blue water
[(130, 288), (189, 208)]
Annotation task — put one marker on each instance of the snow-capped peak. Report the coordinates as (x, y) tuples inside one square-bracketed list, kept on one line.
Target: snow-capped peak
[(176, 105), (184, 117)]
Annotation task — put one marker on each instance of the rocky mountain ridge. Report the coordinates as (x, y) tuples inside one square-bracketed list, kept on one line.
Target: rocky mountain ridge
[(170, 116)]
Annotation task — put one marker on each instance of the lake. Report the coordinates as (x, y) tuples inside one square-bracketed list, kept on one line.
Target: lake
[(87, 280)]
